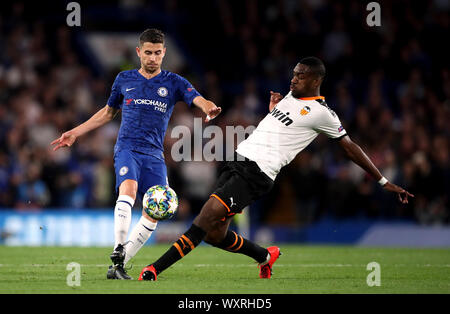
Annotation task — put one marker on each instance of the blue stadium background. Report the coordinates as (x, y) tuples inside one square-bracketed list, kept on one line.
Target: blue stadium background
[(390, 85)]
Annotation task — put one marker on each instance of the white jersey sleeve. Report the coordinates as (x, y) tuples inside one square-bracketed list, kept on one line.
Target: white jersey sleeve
[(329, 124)]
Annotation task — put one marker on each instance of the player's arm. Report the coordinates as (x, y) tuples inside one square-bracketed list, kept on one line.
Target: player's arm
[(357, 155), (100, 118), (208, 107)]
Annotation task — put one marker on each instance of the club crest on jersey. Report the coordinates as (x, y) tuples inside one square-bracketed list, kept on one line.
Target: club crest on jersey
[(305, 110), (162, 91), (123, 171)]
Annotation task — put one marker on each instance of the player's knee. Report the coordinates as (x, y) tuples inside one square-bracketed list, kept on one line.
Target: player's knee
[(210, 215), (128, 187)]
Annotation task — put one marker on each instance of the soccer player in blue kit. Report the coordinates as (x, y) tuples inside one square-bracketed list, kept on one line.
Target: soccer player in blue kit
[(146, 98)]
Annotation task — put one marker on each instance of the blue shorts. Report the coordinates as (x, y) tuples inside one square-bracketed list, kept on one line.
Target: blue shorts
[(146, 170)]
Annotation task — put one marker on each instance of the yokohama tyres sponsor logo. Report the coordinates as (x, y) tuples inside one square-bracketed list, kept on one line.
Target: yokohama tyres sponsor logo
[(158, 105)]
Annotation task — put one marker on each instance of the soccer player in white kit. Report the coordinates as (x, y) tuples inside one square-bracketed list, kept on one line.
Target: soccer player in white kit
[(293, 122)]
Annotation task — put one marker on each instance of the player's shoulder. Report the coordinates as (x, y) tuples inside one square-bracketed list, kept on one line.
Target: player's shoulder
[(171, 76), (127, 73), (323, 106)]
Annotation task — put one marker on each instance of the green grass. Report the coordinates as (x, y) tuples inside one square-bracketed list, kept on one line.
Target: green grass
[(207, 270)]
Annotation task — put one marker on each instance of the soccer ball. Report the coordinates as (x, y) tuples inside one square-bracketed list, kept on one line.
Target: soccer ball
[(160, 202)]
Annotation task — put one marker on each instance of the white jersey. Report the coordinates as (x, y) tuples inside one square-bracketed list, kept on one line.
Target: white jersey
[(291, 126)]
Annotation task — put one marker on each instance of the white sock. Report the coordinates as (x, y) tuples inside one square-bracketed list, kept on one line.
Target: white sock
[(139, 235), (122, 218)]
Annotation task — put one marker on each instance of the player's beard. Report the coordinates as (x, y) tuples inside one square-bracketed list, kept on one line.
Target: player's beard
[(301, 91), (151, 68), (296, 93)]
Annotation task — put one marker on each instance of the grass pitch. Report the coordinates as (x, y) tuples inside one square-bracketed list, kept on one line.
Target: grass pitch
[(207, 270)]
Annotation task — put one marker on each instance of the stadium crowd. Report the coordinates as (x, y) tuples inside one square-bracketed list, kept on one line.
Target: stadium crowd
[(389, 85)]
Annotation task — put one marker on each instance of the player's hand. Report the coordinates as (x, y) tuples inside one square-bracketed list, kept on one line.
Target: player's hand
[(402, 193), (212, 113), (66, 139), (275, 98)]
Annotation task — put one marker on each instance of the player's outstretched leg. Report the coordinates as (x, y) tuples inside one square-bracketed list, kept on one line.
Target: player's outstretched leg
[(207, 220), (186, 243), (230, 241)]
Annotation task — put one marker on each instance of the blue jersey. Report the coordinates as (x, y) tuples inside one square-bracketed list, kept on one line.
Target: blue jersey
[(147, 105)]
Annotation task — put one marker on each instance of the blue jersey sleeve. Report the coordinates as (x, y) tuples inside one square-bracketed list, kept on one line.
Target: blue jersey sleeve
[(116, 98), (186, 91)]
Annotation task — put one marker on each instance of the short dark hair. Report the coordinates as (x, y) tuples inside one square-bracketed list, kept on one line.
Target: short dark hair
[(151, 35), (316, 65)]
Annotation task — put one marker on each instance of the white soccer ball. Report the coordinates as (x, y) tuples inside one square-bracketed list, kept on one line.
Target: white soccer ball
[(160, 202)]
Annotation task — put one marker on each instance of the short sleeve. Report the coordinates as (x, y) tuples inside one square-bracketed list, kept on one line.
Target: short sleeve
[(330, 125), (186, 91), (116, 98)]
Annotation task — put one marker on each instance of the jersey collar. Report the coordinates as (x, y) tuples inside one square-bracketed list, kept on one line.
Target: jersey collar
[(312, 98), (148, 79)]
